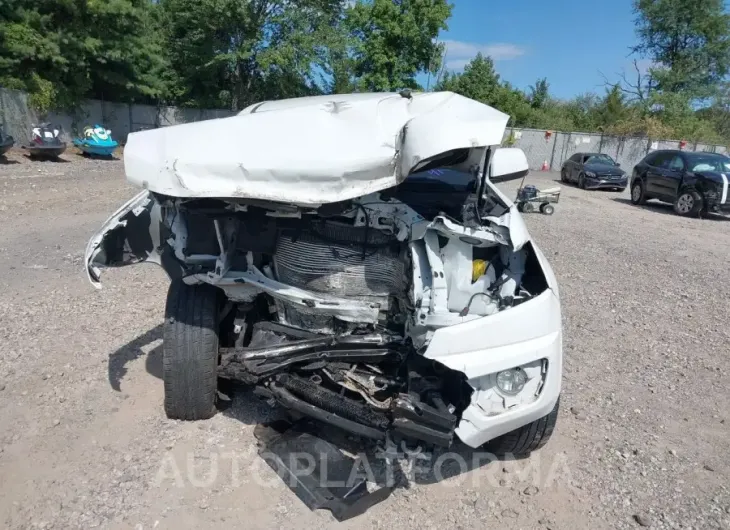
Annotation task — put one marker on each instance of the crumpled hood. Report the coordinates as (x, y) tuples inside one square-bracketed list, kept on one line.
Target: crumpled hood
[(714, 176), (310, 151)]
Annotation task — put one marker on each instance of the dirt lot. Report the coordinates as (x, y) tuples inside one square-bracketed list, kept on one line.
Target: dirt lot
[(642, 436)]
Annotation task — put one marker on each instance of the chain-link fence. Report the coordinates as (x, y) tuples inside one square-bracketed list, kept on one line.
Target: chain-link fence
[(549, 149)]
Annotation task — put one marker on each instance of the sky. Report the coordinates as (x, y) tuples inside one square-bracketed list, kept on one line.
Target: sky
[(572, 43)]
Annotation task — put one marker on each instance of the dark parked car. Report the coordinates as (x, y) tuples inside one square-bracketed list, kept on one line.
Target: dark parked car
[(695, 183), (6, 142), (592, 171)]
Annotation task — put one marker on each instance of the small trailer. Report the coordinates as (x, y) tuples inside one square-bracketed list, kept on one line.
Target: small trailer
[(529, 198)]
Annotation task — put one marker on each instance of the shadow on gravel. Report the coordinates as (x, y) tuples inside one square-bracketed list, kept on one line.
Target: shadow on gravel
[(109, 158), (46, 159), (666, 209), (599, 190), (7, 162), (149, 344)]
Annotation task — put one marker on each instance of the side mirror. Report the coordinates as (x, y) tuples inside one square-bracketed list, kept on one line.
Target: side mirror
[(618, 165), (508, 163)]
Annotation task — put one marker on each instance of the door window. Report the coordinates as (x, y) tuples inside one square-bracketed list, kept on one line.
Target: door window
[(659, 159), (675, 163)]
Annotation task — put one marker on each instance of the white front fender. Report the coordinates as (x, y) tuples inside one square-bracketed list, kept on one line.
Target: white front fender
[(127, 237)]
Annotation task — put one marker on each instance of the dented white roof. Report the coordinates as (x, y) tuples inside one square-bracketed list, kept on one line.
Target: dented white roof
[(309, 151)]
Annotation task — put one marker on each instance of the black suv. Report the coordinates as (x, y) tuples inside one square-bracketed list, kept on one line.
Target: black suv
[(695, 183)]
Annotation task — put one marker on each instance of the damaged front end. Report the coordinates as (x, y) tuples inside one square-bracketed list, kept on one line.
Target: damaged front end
[(391, 314)]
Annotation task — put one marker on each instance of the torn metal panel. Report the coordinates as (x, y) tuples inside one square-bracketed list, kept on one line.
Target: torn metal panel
[(480, 237), (300, 152), (317, 471), (444, 291), (389, 216), (138, 215)]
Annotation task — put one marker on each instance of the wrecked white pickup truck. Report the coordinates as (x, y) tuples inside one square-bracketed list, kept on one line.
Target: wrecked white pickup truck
[(350, 257)]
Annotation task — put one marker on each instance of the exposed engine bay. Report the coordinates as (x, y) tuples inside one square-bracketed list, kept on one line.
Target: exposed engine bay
[(328, 310), (348, 258)]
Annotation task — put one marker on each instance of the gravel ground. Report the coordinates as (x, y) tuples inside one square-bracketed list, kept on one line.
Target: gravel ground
[(641, 438)]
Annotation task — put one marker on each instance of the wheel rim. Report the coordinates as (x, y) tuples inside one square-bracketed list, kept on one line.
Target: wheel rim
[(636, 193), (685, 203)]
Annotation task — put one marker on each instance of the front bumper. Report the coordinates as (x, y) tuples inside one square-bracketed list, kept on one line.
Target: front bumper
[(522, 335), (478, 426), (718, 207), (714, 203), (595, 183)]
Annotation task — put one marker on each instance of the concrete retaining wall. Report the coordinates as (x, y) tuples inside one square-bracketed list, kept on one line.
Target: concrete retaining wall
[(17, 116), (555, 148)]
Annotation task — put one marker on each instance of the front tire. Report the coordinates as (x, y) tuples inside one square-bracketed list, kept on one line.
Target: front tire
[(638, 194), (582, 181), (530, 437), (688, 203), (190, 351), (564, 176)]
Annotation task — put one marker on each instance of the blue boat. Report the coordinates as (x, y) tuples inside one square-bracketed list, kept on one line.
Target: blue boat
[(96, 140)]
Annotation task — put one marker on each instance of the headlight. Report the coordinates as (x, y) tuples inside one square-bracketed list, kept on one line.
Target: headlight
[(511, 382), (590, 174)]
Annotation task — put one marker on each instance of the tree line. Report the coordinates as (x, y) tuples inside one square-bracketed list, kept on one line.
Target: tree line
[(215, 53), (232, 53)]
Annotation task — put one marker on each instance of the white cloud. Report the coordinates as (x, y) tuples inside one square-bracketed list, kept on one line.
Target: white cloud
[(459, 53), (456, 64)]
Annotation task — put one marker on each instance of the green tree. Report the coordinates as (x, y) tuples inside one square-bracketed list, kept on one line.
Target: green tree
[(233, 53), (687, 40), (395, 40), (514, 102), (481, 82), (478, 81), (718, 113), (63, 50), (612, 109), (539, 93)]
